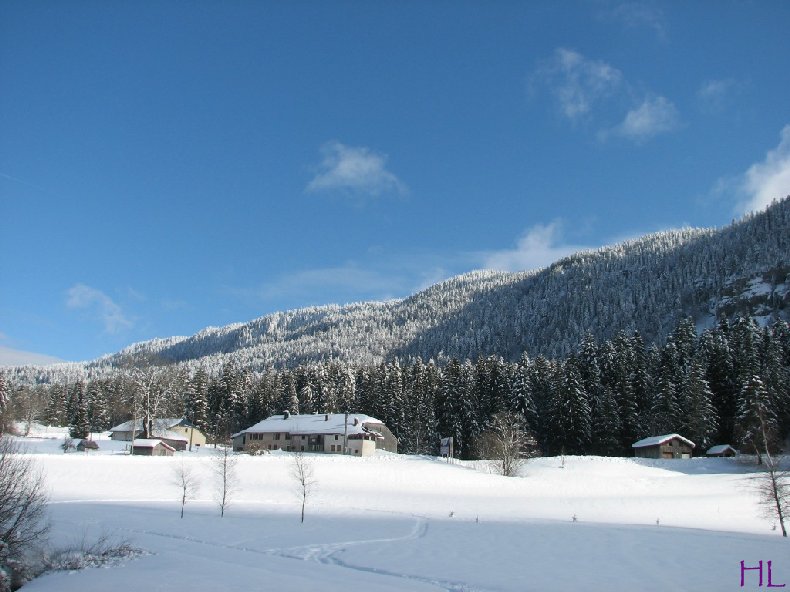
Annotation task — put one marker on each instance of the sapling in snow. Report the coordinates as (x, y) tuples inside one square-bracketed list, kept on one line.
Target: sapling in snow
[(187, 482), (226, 482), (302, 472)]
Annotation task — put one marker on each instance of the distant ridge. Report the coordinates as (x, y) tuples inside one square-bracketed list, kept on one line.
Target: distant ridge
[(646, 284)]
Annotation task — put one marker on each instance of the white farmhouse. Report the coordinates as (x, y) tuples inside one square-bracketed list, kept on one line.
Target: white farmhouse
[(176, 432), (325, 432)]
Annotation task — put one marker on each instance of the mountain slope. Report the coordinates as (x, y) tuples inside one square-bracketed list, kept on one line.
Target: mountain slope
[(646, 284)]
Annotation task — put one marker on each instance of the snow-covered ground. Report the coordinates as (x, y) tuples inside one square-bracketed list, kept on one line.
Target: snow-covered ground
[(394, 522)]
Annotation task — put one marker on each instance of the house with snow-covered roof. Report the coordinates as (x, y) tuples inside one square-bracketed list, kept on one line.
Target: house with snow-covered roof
[(355, 434), (152, 447), (721, 450), (176, 432), (666, 446)]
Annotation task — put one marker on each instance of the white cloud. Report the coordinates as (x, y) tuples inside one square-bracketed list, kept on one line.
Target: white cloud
[(654, 116), (767, 180), (340, 280), (358, 171), (712, 94), (578, 82), (538, 247), (100, 305), (634, 15)]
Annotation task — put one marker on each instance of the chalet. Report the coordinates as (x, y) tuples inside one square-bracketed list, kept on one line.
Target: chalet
[(325, 432), (151, 447), (721, 450), (87, 445), (176, 432), (667, 446)]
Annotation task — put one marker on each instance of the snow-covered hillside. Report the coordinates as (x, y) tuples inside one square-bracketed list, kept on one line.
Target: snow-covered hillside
[(646, 284), (394, 522)]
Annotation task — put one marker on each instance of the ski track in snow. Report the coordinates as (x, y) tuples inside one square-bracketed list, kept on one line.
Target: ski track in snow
[(325, 553)]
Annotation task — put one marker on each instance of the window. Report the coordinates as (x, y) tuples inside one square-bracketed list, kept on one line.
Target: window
[(277, 436), (288, 436), (336, 437)]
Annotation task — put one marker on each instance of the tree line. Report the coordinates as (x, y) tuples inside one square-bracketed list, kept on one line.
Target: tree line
[(723, 386)]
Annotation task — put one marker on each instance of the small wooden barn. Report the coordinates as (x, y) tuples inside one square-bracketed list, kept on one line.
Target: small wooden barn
[(150, 447), (721, 450), (87, 445), (666, 446)]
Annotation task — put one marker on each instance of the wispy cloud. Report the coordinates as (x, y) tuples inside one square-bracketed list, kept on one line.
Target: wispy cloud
[(712, 94), (768, 180), (577, 82), (358, 171), (538, 247), (99, 305), (18, 357), (654, 116), (587, 89), (343, 280), (640, 15)]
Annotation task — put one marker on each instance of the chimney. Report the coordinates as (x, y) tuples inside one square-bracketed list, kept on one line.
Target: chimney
[(356, 421), (286, 414), (326, 417)]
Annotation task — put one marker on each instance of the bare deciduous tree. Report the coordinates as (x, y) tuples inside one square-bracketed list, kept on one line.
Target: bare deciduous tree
[(23, 503), (773, 490), (506, 444), (4, 403), (188, 484), (226, 481), (152, 389), (302, 472)]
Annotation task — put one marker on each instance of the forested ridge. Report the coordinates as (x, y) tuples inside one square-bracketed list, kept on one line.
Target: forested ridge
[(728, 385), (682, 331)]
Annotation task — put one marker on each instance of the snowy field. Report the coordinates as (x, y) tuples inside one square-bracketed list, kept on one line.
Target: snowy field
[(394, 522)]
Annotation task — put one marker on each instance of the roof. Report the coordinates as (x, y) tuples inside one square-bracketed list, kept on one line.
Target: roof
[(168, 435), (720, 449), (159, 424), (322, 423), (658, 440), (151, 443)]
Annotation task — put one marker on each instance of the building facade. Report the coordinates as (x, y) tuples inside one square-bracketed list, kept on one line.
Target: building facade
[(177, 432), (334, 433), (667, 446)]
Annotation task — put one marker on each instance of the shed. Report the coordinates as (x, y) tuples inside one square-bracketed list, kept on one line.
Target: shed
[(150, 447), (87, 445), (666, 446), (721, 450)]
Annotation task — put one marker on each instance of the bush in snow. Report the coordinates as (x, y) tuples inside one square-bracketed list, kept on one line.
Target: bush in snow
[(23, 503)]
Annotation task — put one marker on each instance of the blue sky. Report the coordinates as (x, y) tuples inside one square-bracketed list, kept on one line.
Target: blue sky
[(170, 165)]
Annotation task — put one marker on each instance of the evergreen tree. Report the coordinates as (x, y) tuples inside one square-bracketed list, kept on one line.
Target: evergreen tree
[(720, 375), (196, 403), (543, 377), (571, 413), (700, 421), (666, 412), (522, 403), (55, 413), (606, 425), (98, 411), (756, 425), (80, 425)]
